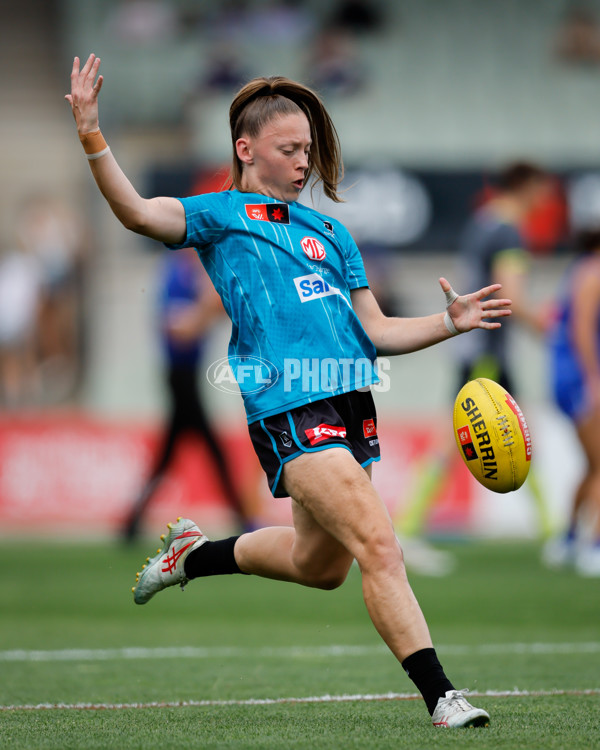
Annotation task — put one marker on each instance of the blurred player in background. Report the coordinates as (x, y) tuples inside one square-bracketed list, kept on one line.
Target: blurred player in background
[(20, 302), (575, 372), (188, 307), (492, 250), (293, 283)]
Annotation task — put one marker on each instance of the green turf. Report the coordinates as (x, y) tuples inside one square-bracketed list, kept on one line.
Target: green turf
[(68, 597)]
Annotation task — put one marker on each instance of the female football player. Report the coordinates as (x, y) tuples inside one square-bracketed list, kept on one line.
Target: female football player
[(575, 369), (293, 283)]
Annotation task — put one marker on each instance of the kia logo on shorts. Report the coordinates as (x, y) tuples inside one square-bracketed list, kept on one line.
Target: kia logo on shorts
[(242, 374), (313, 248)]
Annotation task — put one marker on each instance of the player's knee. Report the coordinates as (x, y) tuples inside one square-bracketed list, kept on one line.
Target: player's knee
[(382, 552)]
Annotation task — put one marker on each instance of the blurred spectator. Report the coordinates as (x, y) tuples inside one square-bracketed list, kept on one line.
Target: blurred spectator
[(143, 21), (228, 21), (224, 72), (281, 22), (276, 22), (575, 375), (20, 289), (334, 67), (578, 39), (52, 234), (357, 16)]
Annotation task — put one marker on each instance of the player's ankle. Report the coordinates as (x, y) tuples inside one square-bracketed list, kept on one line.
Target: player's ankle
[(212, 559)]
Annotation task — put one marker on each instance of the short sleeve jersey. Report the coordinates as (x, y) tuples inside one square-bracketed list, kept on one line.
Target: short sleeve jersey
[(485, 239), (284, 273)]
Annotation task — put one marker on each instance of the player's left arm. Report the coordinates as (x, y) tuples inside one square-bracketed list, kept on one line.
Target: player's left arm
[(404, 335)]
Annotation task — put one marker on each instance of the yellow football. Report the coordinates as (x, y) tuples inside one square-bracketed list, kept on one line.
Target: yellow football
[(492, 435)]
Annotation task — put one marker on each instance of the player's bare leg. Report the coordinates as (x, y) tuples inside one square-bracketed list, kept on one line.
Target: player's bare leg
[(343, 518), (305, 554), (338, 516), (588, 494)]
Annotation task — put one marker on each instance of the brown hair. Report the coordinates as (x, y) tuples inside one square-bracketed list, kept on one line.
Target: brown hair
[(518, 174), (262, 99)]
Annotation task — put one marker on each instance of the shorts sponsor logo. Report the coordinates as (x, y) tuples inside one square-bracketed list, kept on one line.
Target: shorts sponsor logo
[(313, 248), (312, 286), (242, 374), (466, 443), (285, 439), (278, 213), (374, 442), (369, 429), (324, 432)]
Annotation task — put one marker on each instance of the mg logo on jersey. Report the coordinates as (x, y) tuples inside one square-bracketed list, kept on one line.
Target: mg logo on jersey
[(313, 248), (324, 432)]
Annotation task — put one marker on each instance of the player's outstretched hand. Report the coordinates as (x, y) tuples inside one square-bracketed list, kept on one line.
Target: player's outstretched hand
[(470, 311), (83, 98)]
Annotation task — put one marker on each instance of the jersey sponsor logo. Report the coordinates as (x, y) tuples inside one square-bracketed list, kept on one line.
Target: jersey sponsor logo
[(313, 248), (278, 213), (324, 432), (369, 429), (466, 443), (312, 286)]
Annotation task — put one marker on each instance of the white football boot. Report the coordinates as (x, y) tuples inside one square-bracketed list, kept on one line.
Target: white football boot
[(559, 552), (587, 561), (455, 711), (166, 568)]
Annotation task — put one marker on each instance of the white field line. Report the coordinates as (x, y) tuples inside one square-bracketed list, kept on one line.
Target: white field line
[(285, 652), (278, 701)]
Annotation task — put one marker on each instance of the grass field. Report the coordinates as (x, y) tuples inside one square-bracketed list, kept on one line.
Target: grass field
[(230, 649)]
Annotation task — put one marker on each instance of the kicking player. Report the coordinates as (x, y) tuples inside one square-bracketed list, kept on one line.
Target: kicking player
[(293, 283)]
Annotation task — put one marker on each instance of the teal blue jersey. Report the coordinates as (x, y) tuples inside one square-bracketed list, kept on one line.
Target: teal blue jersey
[(284, 273)]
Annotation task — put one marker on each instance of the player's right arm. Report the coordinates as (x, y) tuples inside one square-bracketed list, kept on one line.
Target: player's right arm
[(161, 218)]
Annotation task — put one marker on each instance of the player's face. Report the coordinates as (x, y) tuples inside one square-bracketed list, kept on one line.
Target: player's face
[(275, 161)]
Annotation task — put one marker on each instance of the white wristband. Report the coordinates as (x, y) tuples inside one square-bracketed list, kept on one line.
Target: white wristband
[(449, 323), (91, 157)]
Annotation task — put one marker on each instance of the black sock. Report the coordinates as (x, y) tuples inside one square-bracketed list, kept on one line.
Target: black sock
[(427, 673), (212, 559)]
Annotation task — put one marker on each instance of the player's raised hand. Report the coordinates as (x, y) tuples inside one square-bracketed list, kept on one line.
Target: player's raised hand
[(470, 311), (85, 87)]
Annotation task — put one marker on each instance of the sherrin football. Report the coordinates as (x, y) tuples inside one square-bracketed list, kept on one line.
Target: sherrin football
[(492, 435)]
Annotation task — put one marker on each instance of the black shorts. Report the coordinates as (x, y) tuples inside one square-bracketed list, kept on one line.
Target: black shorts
[(346, 421)]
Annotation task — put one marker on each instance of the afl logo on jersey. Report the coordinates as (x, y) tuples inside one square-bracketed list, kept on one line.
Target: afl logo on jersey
[(313, 248)]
